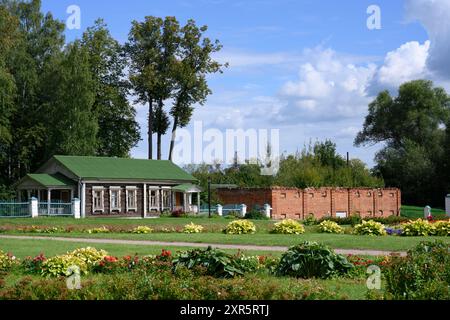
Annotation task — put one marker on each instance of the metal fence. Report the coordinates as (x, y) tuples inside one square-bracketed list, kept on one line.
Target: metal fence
[(230, 209), (56, 209), (14, 210), (23, 209)]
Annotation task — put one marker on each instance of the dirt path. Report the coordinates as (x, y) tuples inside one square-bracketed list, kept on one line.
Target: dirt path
[(197, 245)]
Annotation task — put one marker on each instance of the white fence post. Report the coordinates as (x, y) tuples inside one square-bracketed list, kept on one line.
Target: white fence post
[(267, 210), (427, 212), (34, 207), (447, 205), (219, 210), (76, 208), (243, 210)]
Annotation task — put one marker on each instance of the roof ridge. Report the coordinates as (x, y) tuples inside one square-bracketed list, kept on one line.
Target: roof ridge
[(103, 157)]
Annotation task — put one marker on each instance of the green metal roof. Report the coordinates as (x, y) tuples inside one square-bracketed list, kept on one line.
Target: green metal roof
[(122, 168), (51, 180), (186, 187)]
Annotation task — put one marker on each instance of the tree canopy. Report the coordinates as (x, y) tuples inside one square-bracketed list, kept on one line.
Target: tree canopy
[(414, 130)]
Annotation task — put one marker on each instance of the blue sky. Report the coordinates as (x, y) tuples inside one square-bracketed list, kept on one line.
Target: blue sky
[(306, 67)]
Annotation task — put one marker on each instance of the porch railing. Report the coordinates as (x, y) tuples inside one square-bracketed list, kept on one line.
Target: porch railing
[(57, 209), (15, 210)]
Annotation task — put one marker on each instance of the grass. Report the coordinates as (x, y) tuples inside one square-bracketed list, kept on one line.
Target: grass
[(24, 247), (417, 212), (336, 241)]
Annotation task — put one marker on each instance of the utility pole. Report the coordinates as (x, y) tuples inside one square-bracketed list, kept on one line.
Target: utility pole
[(209, 197)]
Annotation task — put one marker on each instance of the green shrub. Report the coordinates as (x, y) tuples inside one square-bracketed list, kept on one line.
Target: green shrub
[(33, 265), (312, 260), (165, 285), (352, 220), (442, 228), (240, 227), (193, 228), (417, 228), (310, 221), (370, 228), (98, 230), (7, 261), (215, 263), (330, 227), (90, 256), (288, 226), (256, 215), (142, 230), (60, 266), (423, 275)]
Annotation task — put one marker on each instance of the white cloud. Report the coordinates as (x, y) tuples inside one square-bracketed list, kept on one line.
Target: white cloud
[(434, 15), (404, 64), (328, 89)]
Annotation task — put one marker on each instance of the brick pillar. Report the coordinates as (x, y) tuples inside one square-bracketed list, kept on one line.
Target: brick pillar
[(332, 203)]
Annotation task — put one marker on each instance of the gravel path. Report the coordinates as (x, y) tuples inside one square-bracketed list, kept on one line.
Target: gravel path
[(198, 245)]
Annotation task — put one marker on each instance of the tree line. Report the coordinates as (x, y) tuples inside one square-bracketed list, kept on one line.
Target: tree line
[(316, 165), (74, 98)]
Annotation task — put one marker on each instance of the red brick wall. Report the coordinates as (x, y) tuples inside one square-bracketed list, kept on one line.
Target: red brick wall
[(295, 203), (250, 197)]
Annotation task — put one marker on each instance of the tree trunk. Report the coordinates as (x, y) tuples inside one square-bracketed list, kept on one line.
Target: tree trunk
[(174, 134), (159, 145), (150, 128)]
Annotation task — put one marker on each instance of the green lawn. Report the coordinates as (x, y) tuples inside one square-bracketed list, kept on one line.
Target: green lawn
[(417, 212), (336, 241), (24, 248)]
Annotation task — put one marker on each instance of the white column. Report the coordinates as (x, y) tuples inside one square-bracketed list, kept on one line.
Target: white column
[(243, 210), (83, 200), (145, 200), (220, 210), (76, 208), (34, 207), (267, 210), (49, 200), (185, 204)]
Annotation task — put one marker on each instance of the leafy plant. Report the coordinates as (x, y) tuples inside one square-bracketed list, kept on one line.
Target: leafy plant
[(61, 265), (34, 265), (256, 215), (418, 227), (240, 227), (90, 256), (193, 228), (330, 227), (423, 274), (370, 228), (7, 261), (215, 263), (99, 230), (288, 226), (442, 228), (142, 230), (312, 260)]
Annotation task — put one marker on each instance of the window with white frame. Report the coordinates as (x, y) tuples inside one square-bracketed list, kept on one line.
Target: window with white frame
[(166, 198), (131, 198), (97, 201), (153, 198), (114, 198)]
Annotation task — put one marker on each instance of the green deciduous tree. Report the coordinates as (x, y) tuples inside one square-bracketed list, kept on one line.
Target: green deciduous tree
[(412, 127), (118, 130)]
